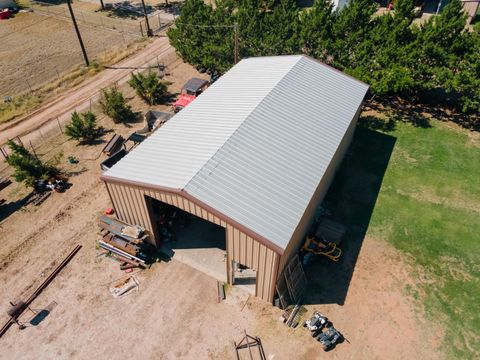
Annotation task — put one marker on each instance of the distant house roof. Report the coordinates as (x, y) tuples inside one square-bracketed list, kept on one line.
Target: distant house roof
[(7, 4), (255, 145)]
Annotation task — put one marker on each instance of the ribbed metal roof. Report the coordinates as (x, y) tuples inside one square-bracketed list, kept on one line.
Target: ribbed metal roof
[(256, 144)]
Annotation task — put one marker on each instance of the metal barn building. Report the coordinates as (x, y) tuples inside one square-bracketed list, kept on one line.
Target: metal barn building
[(254, 154)]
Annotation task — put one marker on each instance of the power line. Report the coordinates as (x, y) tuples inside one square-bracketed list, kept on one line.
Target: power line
[(205, 26)]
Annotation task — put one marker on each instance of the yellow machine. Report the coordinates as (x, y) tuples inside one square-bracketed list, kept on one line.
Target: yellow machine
[(322, 247)]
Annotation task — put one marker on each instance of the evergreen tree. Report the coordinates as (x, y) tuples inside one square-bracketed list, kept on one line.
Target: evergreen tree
[(316, 30), (27, 168), (150, 88), (389, 52), (114, 105), (82, 127)]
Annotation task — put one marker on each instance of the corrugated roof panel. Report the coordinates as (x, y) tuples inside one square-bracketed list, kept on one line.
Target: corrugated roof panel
[(256, 144), (172, 156), (266, 173)]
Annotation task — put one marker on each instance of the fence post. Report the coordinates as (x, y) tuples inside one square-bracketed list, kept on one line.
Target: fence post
[(4, 153), (33, 149), (28, 83), (59, 125)]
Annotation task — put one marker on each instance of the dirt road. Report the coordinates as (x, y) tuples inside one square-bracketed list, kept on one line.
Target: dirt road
[(79, 97)]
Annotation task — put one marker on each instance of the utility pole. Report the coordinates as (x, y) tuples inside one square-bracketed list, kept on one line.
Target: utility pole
[(235, 29), (101, 3), (78, 33), (149, 31)]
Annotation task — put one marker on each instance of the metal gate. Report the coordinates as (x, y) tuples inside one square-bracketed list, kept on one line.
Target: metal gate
[(291, 284)]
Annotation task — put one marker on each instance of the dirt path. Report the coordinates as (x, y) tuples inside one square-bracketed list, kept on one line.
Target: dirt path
[(78, 98)]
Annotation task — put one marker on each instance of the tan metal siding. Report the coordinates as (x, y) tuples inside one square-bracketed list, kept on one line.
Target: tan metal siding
[(131, 206)]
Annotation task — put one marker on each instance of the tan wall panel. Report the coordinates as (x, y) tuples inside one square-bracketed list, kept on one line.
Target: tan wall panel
[(116, 201), (256, 255), (175, 201), (268, 279), (261, 272), (243, 248), (134, 201), (128, 205)]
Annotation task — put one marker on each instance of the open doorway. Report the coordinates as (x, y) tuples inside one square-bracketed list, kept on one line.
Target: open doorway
[(189, 239), (244, 277)]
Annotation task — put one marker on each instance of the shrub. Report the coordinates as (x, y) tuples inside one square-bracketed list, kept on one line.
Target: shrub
[(150, 88), (83, 127), (114, 105)]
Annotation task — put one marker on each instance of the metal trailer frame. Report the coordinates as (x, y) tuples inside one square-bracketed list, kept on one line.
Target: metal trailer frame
[(250, 342)]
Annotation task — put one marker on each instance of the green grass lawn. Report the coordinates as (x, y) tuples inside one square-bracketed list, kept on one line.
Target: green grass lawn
[(429, 207)]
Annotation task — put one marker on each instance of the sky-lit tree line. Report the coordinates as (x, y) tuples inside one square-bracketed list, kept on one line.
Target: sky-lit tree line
[(438, 60)]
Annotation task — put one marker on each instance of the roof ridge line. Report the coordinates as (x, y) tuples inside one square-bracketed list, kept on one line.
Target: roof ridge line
[(300, 56)]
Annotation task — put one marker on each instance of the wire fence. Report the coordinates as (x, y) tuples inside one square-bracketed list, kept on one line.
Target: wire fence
[(105, 39), (132, 25), (52, 130), (88, 18)]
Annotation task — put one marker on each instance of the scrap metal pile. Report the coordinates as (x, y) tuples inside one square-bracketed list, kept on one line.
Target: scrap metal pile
[(124, 242)]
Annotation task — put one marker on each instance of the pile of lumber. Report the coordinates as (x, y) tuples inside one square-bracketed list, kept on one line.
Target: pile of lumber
[(124, 242), (292, 315)]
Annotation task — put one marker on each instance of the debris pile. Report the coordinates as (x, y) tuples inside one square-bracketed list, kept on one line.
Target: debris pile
[(124, 242), (124, 287), (292, 314)]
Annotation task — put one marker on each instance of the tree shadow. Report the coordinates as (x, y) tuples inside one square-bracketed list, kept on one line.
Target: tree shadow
[(127, 10), (51, 2), (170, 98), (419, 114), (76, 173), (375, 123), (9, 208), (173, 7), (97, 138), (351, 201)]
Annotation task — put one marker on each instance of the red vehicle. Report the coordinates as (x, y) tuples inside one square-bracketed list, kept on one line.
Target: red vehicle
[(5, 14), (190, 91)]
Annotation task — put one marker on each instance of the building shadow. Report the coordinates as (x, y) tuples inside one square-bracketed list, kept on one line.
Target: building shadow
[(350, 201), (10, 208)]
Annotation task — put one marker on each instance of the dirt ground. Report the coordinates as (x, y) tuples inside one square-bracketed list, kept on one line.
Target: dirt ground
[(175, 313), (35, 47)]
